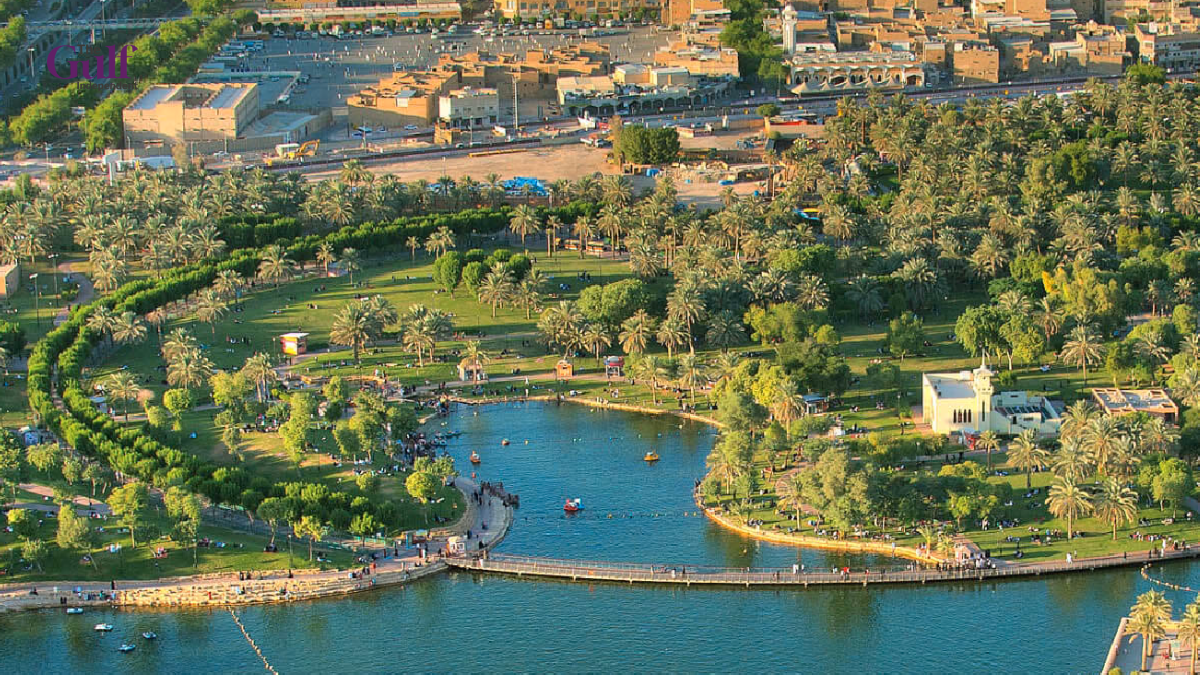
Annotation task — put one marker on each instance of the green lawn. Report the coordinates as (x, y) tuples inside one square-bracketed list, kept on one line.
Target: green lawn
[(241, 552)]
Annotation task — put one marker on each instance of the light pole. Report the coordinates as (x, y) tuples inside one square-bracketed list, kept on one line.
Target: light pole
[(37, 294), (31, 52), (54, 271)]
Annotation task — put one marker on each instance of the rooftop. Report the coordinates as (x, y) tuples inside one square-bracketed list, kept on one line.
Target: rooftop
[(951, 385), (1124, 401)]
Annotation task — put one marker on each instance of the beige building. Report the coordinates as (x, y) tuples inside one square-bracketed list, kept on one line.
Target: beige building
[(575, 8), (402, 98), (966, 402), (975, 64), (10, 280), (175, 113), (1154, 402), (699, 60), (469, 108), (1170, 46)]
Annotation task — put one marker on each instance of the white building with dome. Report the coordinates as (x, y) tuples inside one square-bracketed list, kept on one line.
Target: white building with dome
[(966, 402)]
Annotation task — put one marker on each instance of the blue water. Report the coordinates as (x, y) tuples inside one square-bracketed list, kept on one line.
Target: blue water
[(467, 623)]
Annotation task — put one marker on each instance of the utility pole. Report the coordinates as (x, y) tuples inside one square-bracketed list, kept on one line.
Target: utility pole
[(516, 108), (37, 298)]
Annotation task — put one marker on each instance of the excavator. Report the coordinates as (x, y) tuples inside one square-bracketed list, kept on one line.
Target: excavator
[(290, 152)]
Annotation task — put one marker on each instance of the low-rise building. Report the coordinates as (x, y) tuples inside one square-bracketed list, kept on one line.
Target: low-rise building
[(181, 113), (843, 71), (1169, 46), (10, 280), (402, 98), (966, 402), (1156, 402), (975, 63), (511, 9), (469, 108), (637, 88), (698, 59)]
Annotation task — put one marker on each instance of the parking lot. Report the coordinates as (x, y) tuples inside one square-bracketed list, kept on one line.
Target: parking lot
[(340, 67)]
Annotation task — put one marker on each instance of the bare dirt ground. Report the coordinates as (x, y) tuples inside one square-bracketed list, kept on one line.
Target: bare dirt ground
[(569, 162)]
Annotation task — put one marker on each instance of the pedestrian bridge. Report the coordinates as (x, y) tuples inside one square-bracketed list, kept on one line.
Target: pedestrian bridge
[(592, 570)]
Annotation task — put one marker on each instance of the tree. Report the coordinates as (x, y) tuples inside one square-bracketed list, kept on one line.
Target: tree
[(274, 510), (422, 486), (352, 327), (1068, 500), (768, 110), (310, 528), (1082, 349), (128, 502), (791, 494), (636, 332), (364, 525), (1147, 618), (123, 387), (44, 457), (184, 508), (1115, 504), (978, 329), (1025, 454), (24, 523), (1172, 483), (74, 533), (296, 431), (34, 551), (178, 401), (1188, 630), (988, 441), (351, 262), (447, 271), (905, 335)]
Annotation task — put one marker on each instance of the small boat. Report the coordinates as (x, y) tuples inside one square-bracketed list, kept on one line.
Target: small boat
[(651, 456), (104, 627), (150, 635), (573, 505), (126, 648), (504, 442), (474, 457), (74, 610)]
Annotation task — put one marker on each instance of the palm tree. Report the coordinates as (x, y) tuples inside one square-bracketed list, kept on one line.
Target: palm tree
[(596, 339), (1188, 629), (1025, 454), (128, 329), (1148, 617), (650, 367), (725, 329), (988, 440), (636, 332), (123, 386), (4, 356), (689, 374), (352, 328), (351, 262), (1082, 348), (275, 265), (1115, 504), (724, 463), (475, 354), (412, 243), (102, 320), (188, 369), (211, 308), (528, 293), (584, 230), (227, 283), (440, 241), (864, 293), (496, 288), (326, 256), (671, 334), (1068, 500), (524, 222), (1072, 460), (791, 490)]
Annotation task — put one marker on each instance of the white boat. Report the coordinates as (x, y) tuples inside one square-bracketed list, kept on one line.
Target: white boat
[(74, 610), (125, 648), (104, 627), (150, 635)]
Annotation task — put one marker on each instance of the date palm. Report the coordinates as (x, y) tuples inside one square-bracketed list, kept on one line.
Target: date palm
[(211, 308), (1188, 630), (1069, 500), (1025, 454), (352, 328), (596, 339), (584, 230), (1072, 461), (725, 329), (189, 369), (1115, 504), (689, 368), (326, 256), (524, 222), (988, 441), (123, 386), (791, 493), (440, 241), (863, 291), (1082, 348), (128, 329), (636, 332), (275, 265), (1148, 617), (671, 334), (496, 288), (351, 262)]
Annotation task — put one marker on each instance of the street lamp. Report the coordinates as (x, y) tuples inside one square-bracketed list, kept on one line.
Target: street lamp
[(31, 53), (54, 268), (37, 309)]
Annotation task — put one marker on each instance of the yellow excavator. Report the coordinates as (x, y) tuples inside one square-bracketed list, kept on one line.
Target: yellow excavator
[(289, 152)]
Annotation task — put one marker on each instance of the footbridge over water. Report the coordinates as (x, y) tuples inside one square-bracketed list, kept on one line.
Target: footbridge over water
[(687, 575)]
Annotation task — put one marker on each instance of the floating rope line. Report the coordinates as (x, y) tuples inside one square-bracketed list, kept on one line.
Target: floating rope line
[(1165, 584), (249, 639)]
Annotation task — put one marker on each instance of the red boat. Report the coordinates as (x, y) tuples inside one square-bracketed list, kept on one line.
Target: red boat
[(573, 505)]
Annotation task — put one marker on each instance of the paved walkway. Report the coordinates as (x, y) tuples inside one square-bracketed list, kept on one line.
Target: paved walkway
[(86, 290)]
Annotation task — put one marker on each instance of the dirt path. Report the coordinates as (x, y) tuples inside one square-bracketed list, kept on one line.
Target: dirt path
[(86, 290)]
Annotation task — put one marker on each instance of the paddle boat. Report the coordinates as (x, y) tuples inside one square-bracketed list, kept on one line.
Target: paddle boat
[(474, 457), (74, 610), (651, 456), (504, 442), (573, 505), (104, 627), (150, 635), (125, 648)]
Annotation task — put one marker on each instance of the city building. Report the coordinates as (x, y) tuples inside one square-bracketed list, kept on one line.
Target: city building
[(10, 280), (1155, 402), (845, 71), (699, 59), (402, 98), (175, 113), (1169, 46), (694, 12), (634, 88), (966, 402), (527, 9), (331, 11), (469, 108)]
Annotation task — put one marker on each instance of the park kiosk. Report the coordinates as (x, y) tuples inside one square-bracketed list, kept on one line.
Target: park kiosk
[(564, 369), (294, 344), (613, 366)]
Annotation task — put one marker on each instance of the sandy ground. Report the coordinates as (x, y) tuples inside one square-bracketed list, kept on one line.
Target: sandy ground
[(569, 162)]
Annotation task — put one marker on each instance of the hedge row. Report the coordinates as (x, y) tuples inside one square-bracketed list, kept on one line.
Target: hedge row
[(134, 452)]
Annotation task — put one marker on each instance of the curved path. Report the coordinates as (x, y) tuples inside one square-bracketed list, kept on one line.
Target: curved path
[(86, 290)]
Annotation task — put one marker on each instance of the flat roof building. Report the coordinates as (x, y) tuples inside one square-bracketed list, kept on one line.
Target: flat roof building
[(1155, 402), (174, 113)]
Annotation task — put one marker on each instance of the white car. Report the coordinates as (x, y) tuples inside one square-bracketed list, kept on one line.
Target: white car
[(410, 127)]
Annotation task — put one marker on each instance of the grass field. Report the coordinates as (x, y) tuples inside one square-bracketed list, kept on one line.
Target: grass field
[(241, 552)]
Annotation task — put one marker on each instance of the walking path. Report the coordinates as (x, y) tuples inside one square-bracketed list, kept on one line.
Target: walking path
[(86, 290)]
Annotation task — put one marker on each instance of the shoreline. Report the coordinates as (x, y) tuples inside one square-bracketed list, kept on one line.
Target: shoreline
[(226, 590)]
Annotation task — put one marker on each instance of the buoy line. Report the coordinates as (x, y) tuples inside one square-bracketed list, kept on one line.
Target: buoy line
[(249, 639)]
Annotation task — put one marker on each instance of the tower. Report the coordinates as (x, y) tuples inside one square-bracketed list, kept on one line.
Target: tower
[(981, 382), (789, 30)]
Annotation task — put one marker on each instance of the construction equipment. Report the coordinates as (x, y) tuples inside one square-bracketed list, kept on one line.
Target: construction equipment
[(287, 152)]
